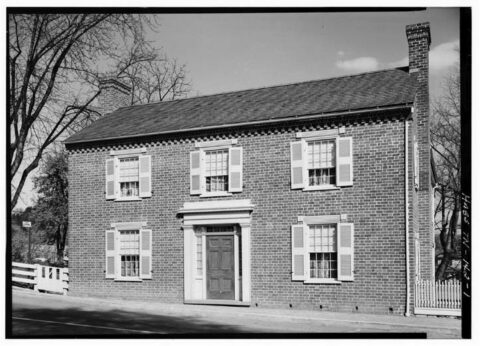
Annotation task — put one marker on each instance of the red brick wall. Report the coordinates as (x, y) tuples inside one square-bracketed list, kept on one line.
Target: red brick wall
[(375, 204)]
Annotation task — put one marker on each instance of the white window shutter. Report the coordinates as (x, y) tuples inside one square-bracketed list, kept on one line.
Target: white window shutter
[(145, 175), (299, 252), (297, 164), (146, 253), (416, 164), (235, 174), (345, 251), (110, 254), (110, 186), (344, 161), (195, 173)]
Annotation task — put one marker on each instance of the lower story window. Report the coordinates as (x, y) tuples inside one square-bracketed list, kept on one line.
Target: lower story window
[(323, 251), (129, 253)]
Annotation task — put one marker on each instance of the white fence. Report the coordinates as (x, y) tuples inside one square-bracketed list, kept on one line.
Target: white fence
[(438, 298), (43, 278)]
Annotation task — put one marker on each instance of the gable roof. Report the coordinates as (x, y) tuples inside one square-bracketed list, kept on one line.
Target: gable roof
[(349, 93)]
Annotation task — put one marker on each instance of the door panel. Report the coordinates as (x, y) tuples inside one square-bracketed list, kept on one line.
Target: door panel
[(220, 267)]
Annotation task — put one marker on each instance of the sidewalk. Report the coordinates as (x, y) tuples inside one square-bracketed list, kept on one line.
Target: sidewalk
[(258, 319)]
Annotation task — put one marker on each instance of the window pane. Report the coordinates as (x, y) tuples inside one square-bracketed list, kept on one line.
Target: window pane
[(128, 176), (216, 170), (322, 248), (129, 253), (321, 162)]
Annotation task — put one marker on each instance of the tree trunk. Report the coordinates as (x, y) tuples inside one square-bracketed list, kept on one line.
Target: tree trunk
[(447, 238)]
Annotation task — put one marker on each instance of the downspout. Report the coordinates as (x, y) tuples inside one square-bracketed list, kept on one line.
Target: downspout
[(407, 239)]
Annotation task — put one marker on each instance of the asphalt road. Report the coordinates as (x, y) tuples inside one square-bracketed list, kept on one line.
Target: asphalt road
[(36, 314)]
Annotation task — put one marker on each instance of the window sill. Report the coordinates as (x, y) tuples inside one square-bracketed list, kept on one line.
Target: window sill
[(126, 199), (216, 194), (321, 188), (322, 281), (128, 279)]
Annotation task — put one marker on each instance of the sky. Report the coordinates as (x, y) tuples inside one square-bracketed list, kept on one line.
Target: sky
[(228, 52)]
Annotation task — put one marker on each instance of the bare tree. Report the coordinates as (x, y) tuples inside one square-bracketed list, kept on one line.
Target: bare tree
[(445, 135), (156, 78), (55, 62)]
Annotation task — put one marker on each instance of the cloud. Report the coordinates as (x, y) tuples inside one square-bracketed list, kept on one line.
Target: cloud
[(444, 55), (362, 64), (441, 57)]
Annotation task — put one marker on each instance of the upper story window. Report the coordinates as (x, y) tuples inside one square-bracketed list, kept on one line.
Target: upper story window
[(321, 161), (128, 175), (216, 168)]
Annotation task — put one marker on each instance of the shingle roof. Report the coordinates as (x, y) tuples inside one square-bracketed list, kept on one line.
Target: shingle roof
[(355, 92)]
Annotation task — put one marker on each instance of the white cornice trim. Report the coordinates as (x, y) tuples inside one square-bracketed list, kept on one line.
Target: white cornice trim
[(216, 206), (122, 226), (128, 151), (219, 143)]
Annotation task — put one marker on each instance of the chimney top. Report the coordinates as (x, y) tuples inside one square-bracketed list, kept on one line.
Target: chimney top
[(419, 31), (114, 82)]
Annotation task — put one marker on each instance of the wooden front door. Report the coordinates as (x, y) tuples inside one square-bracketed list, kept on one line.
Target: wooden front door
[(220, 267)]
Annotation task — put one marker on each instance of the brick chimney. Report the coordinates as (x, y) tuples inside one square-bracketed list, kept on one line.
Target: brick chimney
[(114, 94), (418, 36)]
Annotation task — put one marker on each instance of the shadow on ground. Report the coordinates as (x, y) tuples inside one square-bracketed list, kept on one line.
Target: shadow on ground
[(67, 321)]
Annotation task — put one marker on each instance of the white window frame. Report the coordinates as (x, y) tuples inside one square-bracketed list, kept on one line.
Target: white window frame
[(121, 154), (305, 143), (118, 228), (308, 279), (203, 183), (203, 147)]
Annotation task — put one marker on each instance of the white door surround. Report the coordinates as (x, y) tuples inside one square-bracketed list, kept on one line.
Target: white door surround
[(198, 215)]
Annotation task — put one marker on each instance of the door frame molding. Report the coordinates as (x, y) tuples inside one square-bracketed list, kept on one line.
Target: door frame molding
[(233, 212)]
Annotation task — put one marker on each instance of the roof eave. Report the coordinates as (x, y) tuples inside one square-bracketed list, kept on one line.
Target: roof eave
[(250, 123)]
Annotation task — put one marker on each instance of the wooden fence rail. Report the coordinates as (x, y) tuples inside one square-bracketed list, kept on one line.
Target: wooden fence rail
[(46, 278), (438, 298)]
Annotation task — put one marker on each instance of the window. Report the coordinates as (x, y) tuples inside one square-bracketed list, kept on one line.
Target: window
[(128, 253), (322, 252), (216, 170), (128, 176), (321, 162), (199, 255)]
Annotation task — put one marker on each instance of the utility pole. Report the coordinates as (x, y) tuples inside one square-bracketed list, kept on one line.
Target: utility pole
[(28, 225)]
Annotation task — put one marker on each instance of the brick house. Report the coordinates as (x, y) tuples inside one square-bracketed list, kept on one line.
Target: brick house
[(311, 195)]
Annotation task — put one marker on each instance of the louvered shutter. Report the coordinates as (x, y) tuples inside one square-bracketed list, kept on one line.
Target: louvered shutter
[(297, 165), (298, 252), (345, 251), (415, 162), (145, 175), (195, 173), (110, 254), (146, 253), (235, 174), (344, 161), (110, 187)]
